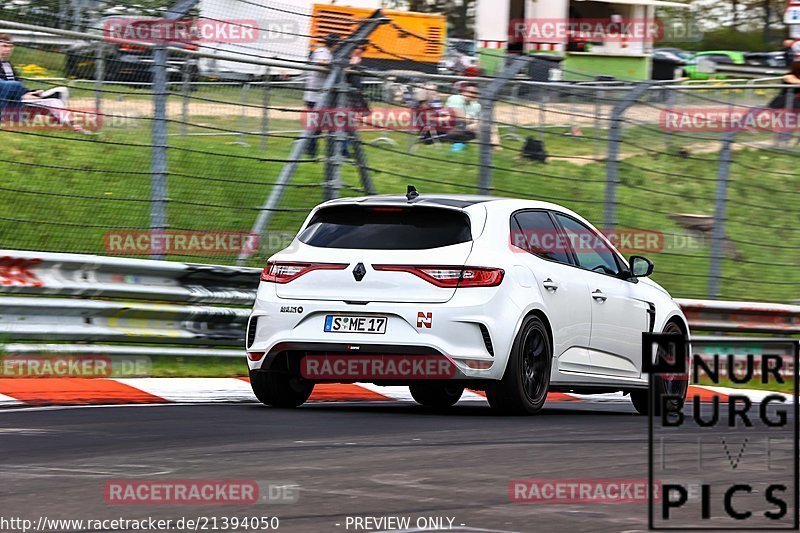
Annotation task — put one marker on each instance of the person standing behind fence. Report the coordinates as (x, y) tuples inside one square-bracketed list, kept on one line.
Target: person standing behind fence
[(781, 101), (315, 81)]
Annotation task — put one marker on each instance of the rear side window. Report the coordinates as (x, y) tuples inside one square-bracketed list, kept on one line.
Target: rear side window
[(387, 228), (535, 232)]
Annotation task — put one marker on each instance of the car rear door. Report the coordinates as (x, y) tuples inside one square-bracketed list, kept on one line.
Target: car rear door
[(543, 251)]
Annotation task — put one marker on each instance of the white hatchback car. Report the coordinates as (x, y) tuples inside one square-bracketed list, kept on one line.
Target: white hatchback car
[(519, 297)]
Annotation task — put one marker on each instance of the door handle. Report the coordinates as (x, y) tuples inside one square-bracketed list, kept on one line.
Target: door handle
[(550, 285), (599, 296)]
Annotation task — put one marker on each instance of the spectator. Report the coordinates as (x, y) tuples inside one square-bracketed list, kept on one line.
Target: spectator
[(14, 94), (430, 113), (356, 98), (792, 52), (788, 53), (7, 73), (315, 82), (466, 109), (357, 102), (465, 104)]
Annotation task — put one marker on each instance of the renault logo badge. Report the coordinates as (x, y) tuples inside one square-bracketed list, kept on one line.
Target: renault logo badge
[(359, 272)]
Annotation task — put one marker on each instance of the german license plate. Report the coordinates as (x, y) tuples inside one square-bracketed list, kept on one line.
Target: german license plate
[(356, 324)]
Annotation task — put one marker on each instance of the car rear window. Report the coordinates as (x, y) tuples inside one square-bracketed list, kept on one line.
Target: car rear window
[(387, 228)]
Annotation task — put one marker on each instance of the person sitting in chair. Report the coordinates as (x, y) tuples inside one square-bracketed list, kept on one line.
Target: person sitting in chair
[(467, 112), (8, 74)]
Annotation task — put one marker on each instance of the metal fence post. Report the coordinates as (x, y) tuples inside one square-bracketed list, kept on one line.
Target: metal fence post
[(612, 163), (487, 121), (265, 111), (158, 170), (185, 97), (785, 137), (597, 131), (488, 98), (99, 76), (341, 56), (336, 142), (718, 232), (243, 115)]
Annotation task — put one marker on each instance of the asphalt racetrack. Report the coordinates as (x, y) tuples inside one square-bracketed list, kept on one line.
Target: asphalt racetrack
[(349, 460)]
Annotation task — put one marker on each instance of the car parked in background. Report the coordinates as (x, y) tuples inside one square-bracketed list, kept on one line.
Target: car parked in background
[(125, 61), (767, 59), (459, 55), (701, 65), (668, 63)]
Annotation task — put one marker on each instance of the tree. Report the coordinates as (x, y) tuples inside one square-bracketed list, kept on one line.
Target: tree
[(460, 14)]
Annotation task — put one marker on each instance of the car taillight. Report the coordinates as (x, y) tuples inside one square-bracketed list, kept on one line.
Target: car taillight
[(286, 272), (451, 276), (132, 48)]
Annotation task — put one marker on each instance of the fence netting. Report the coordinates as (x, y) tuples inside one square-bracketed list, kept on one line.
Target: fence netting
[(86, 181)]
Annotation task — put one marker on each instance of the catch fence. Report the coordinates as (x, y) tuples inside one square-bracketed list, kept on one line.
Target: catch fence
[(214, 166)]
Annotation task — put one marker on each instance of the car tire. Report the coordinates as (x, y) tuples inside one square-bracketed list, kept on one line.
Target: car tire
[(523, 389), (671, 385), (436, 395), (279, 389)]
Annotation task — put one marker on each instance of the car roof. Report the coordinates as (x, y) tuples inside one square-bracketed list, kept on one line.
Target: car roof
[(445, 200), (459, 201)]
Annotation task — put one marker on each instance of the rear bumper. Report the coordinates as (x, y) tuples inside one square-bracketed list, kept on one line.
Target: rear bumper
[(474, 330)]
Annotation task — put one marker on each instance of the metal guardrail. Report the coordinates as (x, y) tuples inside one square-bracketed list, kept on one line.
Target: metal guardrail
[(40, 38), (92, 299), (742, 317), (748, 71), (120, 306)]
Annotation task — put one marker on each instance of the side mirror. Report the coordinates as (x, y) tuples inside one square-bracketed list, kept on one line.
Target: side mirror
[(641, 267)]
